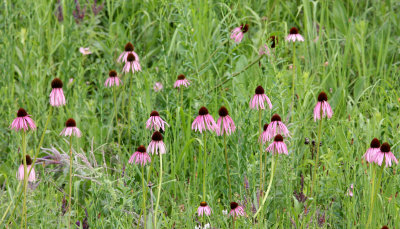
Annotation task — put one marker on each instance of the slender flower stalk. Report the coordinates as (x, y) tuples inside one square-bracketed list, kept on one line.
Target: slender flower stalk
[(321, 110), (24, 209), (69, 131), (157, 146), (236, 211)]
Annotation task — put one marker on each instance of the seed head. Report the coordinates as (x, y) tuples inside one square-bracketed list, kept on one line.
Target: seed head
[(157, 136), (154, 113), (245, 28), (278, 138), (276, 118), (129, 47), (112, 73), (385, 147), (322, 97), (274, 41), (21, 113), (203, 204), (234, 205), (141, 149), (259, 90), (70, 123), (375, 143), (56, 83), (130, 57), (294, 30), (203, 111), (181, 77), (28, 160), (265, 126), (223, 111)]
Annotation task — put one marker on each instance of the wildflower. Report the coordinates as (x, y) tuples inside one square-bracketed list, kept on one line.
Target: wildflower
[(204, 120), (372, 152), (278, 146), (78, 13), (140, 156), (322, 108), (236, 210), (97, 8), (181, 81), (20, 173), (264, 135), (276, 127), (84, 51), (157, 145), (225, 123), (203, 209), (385, 153), (155, 122), (350, 190), (129, 49), (158, 87), (238, 33), (258, 99), (71, 129), (23, 121), (57, 97), (112, 79), (266, 49), (131, 64), (294, 35)]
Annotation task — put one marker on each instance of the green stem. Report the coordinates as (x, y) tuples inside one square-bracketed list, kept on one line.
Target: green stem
[(315, 177), (261, 154), (371, 208), (374, 191), (144, 198), (70, 182), (293, 80), (23, 216), (227, 168), (158, 194), (116, 110), (273, 165), (181, 95), (204, 167)]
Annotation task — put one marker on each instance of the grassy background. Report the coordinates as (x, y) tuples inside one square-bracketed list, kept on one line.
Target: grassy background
[(358, 39)]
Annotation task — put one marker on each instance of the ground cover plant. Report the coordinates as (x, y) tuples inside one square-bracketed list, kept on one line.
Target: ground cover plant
[(199, 114)]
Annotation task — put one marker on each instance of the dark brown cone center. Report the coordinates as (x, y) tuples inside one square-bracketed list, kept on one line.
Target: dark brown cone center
[(385, 147), (294, 30), (22, 112), (203, 204), (375, 143), (56, 83), (129, 47), (157, 136), (141, 149), (234, 205), (245, 28), (28, 160), (322, 97), (223, 111), (259, 90), (112, 73), (70, 123), (203, 111), (154, 113), (278, 138), (265, 126), (276, 118), (274, 41), (181, 77), (130, 57)]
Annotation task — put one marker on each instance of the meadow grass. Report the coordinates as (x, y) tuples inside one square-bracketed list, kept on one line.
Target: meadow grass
[(351, 51)]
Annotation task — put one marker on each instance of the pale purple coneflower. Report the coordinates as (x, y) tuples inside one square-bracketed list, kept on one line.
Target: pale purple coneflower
[(181, 81), (71, 129), (158, 87), (112, 79), (57, 97), (129, 49), (225, 123), (236, 210), (278, 146), (322, 107), (257, 102), (385, 153), (84, 51), (155, 122), (157, 145), (22, 121), (264, 135), (276, 127), (204, 121), (266, 49), (371, 153), (131, 64), (203, 209), (294, 35), (140, 156), (238, 33), (350, 191), (20, 173)]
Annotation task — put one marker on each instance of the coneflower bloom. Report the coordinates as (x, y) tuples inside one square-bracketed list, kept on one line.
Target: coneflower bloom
[(71, 129), (131, 64), (204, 121), (20, 173), (84, 51), (112, 79), (155, 122), (277, 127), (158, 87), (140, 156), (181, 81), (157, 145), (23, 121), (322, 107), (267, 48), (372, 152), (225, 123), (203, 209), (129, 49), (385, 153), (350, 190), (264, 135), (57, 97), (294, 35), (236, 210), (258, 99), (278, 146), (238, 33)]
